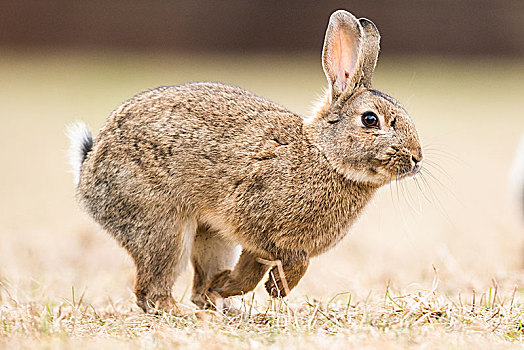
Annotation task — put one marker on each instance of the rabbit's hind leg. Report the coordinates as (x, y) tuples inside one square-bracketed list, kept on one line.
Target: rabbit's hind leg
[(160, 258), (211, 254)]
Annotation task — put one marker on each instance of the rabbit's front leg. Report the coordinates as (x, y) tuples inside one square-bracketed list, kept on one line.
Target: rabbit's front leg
[(292, 267), (242, 279), (250, 270)]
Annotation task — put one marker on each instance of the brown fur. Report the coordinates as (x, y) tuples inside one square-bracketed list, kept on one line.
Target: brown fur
[(189, 172)]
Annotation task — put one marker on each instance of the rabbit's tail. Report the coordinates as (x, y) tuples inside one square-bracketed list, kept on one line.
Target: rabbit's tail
[(81, 143)]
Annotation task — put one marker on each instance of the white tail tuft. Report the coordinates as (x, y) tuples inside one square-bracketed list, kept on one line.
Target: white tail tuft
[(81, 143)]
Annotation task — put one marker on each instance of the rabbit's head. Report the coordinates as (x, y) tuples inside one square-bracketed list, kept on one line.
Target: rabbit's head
[(366, 135)]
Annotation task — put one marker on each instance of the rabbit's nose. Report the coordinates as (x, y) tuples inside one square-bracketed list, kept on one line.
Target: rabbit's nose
[(416, 163)]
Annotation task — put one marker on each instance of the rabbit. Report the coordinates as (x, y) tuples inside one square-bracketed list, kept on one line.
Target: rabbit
[(239, 185)]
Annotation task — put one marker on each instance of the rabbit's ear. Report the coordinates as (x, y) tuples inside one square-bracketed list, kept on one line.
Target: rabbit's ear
[(342, 53), (371, 49)]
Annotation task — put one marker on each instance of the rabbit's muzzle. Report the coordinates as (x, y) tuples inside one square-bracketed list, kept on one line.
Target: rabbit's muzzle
[(400, 162)]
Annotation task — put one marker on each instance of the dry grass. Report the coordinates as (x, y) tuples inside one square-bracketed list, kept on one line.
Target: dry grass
[(422, 319), (460, 220)]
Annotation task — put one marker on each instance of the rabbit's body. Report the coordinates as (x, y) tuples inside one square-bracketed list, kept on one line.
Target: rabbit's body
[(253, 177), (245, 171), (193, 172)]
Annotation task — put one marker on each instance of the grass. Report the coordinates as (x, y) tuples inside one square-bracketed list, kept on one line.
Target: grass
[(424, 319), (64, 283)]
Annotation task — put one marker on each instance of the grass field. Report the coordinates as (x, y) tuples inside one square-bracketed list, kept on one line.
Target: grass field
[(440, 266)]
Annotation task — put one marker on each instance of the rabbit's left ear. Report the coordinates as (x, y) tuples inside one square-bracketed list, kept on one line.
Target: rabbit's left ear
[(342, 54), (371, 49)]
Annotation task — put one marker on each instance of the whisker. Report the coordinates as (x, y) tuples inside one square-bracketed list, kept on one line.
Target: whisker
[(433, 177), (390, 179), (418, 192), (437, 202), (407, 196), (442, 186), (437, 167), (442, 153), (397, 184), (419, 187), (415, 194), (427, 186)]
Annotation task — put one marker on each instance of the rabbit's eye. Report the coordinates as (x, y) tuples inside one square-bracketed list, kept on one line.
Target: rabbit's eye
[(370, 120)]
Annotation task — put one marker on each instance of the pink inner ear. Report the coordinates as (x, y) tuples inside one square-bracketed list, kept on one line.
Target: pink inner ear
[(344, 58)]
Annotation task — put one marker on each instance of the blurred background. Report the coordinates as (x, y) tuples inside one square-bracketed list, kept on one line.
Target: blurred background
[(457, 67), (447, 27)]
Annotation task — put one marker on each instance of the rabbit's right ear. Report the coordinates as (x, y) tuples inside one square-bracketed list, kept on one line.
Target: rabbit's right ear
[(342, 54)]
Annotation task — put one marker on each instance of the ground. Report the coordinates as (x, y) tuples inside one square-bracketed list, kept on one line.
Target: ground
[(435, 264)]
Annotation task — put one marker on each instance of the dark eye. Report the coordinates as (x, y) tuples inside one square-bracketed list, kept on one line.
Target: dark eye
[(370, 120)]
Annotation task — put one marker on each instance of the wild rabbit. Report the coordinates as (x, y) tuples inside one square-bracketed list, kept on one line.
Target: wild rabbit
[(202, 171)]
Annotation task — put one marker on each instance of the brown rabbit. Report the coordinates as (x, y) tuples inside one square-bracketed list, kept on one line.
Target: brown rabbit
[(202, 171)]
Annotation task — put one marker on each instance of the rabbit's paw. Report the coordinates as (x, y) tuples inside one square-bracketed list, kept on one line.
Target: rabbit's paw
[(215, 301), (275, 287), (163, 304), (212, 298)]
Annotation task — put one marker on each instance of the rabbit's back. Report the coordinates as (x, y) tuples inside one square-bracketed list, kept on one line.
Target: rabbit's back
[(193, 136)]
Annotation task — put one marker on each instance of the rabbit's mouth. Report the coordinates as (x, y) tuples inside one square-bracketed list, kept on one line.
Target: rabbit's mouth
[(396, 172), (410, 173), (383, 175), (406, 171), (400, 163)]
